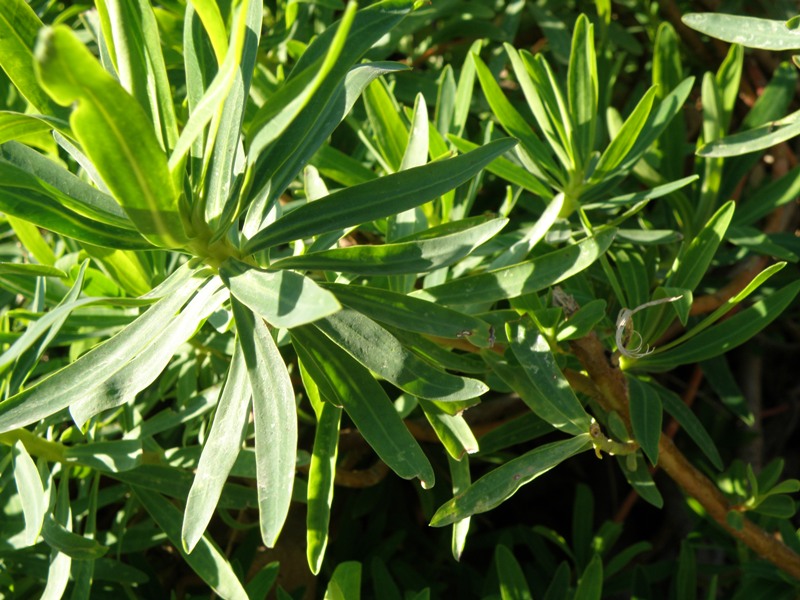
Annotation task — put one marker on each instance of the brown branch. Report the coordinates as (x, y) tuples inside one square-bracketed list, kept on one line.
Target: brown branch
[(610, 382)]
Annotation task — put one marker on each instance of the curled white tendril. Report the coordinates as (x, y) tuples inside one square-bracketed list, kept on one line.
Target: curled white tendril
[(626, 333)]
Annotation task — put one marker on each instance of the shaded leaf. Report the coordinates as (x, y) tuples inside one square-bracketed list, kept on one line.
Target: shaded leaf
[(501, 483)]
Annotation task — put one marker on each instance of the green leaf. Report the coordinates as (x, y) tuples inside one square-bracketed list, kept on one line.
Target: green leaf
[(27, 197), (768, 197), (646, 417), (284, 299), (442, 246), (18, 28), (590, 585), (648, 194), (412, 314), (460, 476), (134, 42), (375, 348), (514, 123), (750, 32), (214, 24), (583, 321), (288, 101), (364, 400), (376, 199), (110, 456), (641, 480), (91, 370), (724, 336), (721, 379), (275, 417), (452, 430), (692, 265), (753, 140), (780, 506), (501, 483), (245, 16), (389, 131), (226, 164), (345, 583), (207, 560), (31, 490), (73, 545), (690, 424), (31, 270), (582, 77), (280, 163), (321, 474), (113, 130), (658, 121), (17, 126), (623, 143), (555, 401), (222, 446), (120, 384), (46, 327), (504, 168), (513, 585), (543, 92), (523, 278)]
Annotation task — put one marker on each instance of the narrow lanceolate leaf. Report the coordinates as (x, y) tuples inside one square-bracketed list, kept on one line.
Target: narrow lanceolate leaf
[(207, 560), (284, 299), (515, 124), (212, 101), (355, 389), (690, 424), (504, 168), (640, 479), (523, 278), (345, 583), (219, 453), (558, 403), (378, 350), (723, 336), (377, 199), (693, 264), (590, 585), (69, 190), (227, 161), (93, 368), (31, 199), (513, 585), (428, 254), (753, 140), (321, 473), (73, 545), (124, 380), (30, 489), (16, 126), (132, 34), (583, 88), (767, 34), (412, 314), (114, 132), (18, 28), (452, 430), (275, 416), (621, 145), (499, 485), (37, 336), (288, 101), (646, 417)]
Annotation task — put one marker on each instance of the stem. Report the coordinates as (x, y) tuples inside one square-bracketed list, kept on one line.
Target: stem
[(613, 395)]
